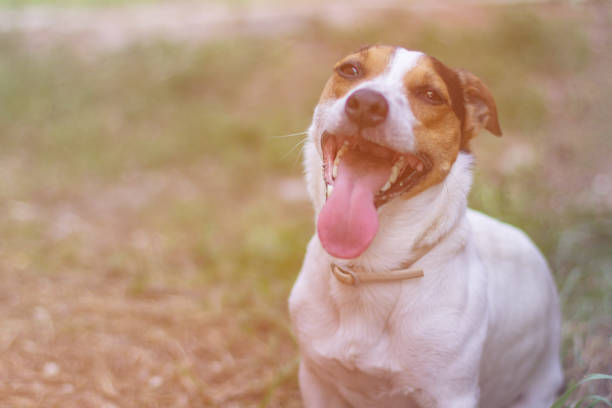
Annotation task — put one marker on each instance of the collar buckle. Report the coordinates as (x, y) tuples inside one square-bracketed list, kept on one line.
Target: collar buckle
[(345, 276)]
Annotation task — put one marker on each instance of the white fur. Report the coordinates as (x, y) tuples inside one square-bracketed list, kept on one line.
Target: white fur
[(481, 328)]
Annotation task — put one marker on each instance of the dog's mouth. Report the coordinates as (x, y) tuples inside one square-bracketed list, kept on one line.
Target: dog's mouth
[(405, 170), (361, 176)]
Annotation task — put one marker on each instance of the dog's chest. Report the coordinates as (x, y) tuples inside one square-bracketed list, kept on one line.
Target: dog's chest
[(351, 348), (362, 372), (361, 355)]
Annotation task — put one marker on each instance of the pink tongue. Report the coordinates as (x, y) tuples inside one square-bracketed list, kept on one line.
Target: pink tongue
[(348, 221)]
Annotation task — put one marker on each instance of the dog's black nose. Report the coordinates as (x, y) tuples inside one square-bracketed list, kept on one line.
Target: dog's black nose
[(366, 108)]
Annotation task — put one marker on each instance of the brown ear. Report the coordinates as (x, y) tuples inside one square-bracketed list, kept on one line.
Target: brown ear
[(480, 109)]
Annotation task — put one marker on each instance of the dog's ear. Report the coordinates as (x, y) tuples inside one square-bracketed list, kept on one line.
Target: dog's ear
[(480, 109)]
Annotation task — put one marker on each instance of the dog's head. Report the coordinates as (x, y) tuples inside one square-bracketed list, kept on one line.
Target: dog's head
[(389, 125)]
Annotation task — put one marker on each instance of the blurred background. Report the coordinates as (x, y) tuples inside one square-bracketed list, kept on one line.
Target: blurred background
[(154, 216)]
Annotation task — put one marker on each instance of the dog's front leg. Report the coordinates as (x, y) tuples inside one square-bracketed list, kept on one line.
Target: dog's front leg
[(467, 400), (443, 399), (457, 385), (317, 394)]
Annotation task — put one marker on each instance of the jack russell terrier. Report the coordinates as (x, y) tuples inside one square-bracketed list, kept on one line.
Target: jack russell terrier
[(406, 298)]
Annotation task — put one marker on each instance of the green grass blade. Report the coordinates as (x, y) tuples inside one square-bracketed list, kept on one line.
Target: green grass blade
[(591, 377), (595, 399), (561, 400)]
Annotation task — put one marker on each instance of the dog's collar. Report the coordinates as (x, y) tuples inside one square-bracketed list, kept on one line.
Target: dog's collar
[(355, 275), (352, 275)]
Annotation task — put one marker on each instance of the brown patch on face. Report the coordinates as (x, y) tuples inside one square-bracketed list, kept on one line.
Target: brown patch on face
[(371, 61), (438, 133)]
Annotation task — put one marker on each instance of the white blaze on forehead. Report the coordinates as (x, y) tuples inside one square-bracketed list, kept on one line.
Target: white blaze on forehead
[(401, 120), (402, 62)]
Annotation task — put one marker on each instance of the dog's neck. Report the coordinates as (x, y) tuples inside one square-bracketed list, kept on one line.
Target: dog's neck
[(409, 228)]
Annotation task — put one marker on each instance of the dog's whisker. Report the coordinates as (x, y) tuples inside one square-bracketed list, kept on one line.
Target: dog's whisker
[(289, 135), (297, 145)]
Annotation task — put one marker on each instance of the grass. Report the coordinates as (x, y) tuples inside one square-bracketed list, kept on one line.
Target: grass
[(592, 400), (154, 215)]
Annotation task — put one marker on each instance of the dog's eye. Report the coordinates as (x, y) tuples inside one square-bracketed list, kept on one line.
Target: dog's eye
[(349, 70), (430, 96)]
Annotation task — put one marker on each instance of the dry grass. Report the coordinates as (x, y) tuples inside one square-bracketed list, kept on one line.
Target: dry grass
[(115, 315)]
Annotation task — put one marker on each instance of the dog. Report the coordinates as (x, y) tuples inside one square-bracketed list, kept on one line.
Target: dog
[(407, 298)]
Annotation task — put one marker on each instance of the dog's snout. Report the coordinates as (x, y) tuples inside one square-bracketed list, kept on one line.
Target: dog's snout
[(366, 108)]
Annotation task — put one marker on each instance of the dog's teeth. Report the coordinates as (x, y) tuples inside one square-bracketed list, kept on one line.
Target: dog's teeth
[(396, 170), (393, 177), (330, 189), (342, 150)]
